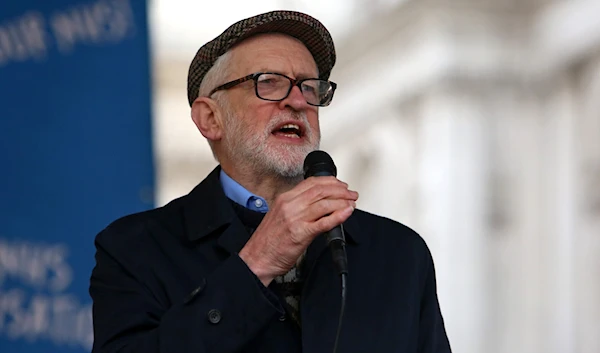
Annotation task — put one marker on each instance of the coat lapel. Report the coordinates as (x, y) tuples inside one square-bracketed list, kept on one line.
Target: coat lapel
[(234, 237), (209, 211), (353, 237), (321, 295)]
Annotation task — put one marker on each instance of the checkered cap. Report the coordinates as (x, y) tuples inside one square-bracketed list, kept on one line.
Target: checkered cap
[(299, 25)]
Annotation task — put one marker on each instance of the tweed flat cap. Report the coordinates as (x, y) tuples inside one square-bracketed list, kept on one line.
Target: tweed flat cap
[(305, 28)]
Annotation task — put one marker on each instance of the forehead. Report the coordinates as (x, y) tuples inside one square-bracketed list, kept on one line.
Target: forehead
[(273, 52)]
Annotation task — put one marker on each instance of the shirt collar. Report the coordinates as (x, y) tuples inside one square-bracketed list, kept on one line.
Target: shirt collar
[(240, 195)]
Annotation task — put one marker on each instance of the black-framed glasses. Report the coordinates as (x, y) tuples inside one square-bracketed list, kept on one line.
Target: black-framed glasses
[(276, 87)]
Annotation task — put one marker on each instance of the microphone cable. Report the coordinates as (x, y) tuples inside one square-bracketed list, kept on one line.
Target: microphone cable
[(343, 278), (338, 253)]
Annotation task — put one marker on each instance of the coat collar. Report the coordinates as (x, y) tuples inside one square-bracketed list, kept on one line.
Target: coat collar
[(207, 209)]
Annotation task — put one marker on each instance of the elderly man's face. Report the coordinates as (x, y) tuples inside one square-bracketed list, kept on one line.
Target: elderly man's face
[(253, 136)]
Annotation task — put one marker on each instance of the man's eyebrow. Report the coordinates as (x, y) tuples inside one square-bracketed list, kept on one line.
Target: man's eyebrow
[(305, 76), (299, 76)]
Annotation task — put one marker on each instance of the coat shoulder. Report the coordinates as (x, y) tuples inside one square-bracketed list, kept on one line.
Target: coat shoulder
[(384, 230), (132, 231)]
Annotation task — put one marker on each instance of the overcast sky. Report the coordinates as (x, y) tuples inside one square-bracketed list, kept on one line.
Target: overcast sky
[(179, 27)]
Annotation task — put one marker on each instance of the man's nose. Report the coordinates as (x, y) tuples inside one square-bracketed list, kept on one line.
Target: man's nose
[(295, 100)]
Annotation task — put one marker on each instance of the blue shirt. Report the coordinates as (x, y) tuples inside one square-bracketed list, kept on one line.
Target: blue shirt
[(240, 195)]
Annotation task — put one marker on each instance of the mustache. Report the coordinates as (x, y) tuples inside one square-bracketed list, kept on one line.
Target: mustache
[(290, 115)]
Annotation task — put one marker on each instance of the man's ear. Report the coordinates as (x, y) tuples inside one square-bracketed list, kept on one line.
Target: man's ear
[(208, 118)]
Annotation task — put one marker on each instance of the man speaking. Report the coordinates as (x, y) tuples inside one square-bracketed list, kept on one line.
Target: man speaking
[(242, 263)]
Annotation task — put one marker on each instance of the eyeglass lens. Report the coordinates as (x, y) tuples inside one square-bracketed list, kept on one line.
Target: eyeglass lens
[(277, 87)]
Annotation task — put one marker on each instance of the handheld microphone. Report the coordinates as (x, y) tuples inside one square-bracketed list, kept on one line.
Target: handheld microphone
[(319, 163)]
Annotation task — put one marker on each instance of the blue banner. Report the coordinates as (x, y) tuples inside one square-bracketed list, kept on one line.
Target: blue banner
[(75, 154)]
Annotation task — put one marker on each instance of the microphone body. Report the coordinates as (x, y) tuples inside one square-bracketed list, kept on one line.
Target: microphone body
[(319, 163), (337, 243)]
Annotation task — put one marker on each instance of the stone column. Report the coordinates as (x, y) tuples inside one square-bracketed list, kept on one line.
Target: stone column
[(585, 231), (451, 171)]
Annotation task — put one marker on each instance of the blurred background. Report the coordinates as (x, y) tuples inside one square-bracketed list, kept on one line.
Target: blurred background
[(476, 123)]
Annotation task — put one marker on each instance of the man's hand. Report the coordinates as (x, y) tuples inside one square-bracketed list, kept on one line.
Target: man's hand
[(313, 207)]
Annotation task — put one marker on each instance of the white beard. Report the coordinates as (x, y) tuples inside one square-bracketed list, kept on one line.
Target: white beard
[(250, 150)]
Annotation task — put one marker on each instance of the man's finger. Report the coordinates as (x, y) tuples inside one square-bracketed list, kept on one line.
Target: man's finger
[(322, 192), (312, 182), (324, 208), (325, 224)]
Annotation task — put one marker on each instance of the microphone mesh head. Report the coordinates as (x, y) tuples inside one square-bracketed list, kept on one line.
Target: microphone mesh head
[(319, 163)]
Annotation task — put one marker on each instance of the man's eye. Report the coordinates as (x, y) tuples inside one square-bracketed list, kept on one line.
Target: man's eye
[(267, 81)]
